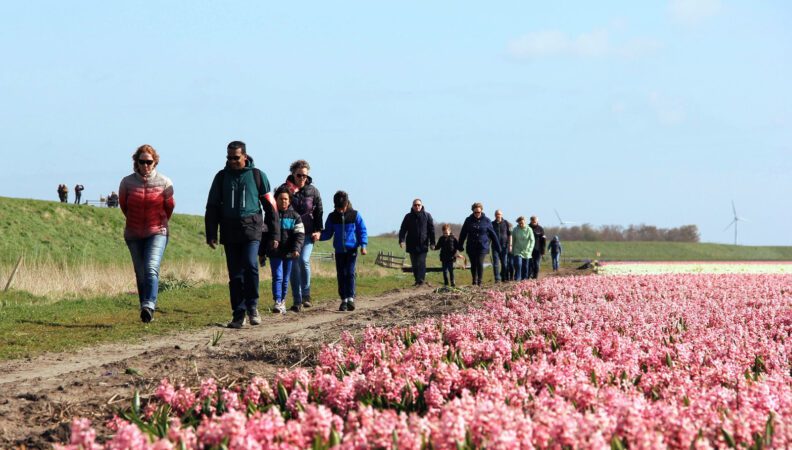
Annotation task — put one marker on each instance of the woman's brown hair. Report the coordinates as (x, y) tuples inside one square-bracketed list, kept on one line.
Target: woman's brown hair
[(145, 148)]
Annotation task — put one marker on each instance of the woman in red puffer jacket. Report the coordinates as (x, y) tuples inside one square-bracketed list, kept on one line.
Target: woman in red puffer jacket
[(146, 199)]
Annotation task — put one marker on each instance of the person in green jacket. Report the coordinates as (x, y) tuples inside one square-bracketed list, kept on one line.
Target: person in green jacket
[(239, 194), (523, 242)]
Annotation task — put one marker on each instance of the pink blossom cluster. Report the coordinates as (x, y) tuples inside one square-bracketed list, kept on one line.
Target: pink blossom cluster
[(667, 361)]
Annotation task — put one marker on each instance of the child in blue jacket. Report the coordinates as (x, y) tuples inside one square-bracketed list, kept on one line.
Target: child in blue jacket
[(346, 227)]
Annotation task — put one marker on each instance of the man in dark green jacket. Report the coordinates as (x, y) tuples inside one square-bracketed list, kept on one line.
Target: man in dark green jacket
[(239, 194)]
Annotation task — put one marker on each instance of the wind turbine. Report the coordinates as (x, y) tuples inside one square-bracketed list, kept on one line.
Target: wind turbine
[(561, 221), (734, 222)]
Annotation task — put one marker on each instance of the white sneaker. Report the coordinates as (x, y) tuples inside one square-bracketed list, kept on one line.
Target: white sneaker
[(279, 308)]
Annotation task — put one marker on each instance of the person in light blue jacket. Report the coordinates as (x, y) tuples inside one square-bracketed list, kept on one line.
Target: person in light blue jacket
[(348, 230)]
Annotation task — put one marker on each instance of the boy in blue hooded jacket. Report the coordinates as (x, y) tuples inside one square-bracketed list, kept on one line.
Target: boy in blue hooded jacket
[(346, 227)]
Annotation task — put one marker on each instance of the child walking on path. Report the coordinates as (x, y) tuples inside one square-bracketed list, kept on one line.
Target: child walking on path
[(447, 244), (346, 227), (285, 250), (555, 251)]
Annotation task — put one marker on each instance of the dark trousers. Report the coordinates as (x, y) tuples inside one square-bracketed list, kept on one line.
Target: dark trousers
[(418, 262), (345, 273), (500, 265), (510, 267), (533, 264), (77, 197), (477, 266), (556, 257), (448, 272), (243, 276)]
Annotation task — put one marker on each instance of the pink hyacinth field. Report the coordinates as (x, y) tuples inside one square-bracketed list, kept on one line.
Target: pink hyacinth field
[(675, 361)]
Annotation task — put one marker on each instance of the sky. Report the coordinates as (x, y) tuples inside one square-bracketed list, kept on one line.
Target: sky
[(612, 112)]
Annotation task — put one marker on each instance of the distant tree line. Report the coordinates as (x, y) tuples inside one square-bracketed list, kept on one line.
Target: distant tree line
[(587, 232)]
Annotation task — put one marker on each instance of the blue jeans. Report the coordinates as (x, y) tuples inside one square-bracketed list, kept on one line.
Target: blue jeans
[(520, 265), (281, 270), (500, 265), (556, 257), (418, 263), (147, 257), (448, 272), (243, 276), (345, 273), (301, 273)]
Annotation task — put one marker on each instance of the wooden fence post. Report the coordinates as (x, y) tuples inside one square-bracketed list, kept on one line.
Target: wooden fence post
[(13, 274)]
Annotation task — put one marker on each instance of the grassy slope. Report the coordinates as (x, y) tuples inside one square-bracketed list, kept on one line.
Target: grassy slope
[(51, 231)]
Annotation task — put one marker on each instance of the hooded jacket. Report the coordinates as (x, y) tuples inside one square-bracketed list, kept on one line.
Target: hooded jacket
[(523, 242), (554, 246), (147, 204), (307, 202), (235, 205), (347, 230), (418, 229), (291, 236), (478, 233)]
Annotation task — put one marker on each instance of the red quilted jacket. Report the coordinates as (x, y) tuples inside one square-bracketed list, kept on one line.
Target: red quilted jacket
[(147, 204)]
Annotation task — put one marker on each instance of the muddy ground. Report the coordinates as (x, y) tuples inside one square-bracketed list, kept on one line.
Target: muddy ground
[(40, 396)]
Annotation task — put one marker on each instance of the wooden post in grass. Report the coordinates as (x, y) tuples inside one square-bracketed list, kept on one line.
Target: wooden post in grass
[(13, 274)]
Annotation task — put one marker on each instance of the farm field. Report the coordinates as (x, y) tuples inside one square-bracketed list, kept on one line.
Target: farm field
[(667, 361), (660, 267), (566, 362)]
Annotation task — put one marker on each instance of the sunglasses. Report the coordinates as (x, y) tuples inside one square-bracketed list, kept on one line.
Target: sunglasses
[(301, 175), (417, 204), (233, 158), (147, 162)]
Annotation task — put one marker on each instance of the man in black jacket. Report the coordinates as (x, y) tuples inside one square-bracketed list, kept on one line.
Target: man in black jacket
[(500, 259), (539, 247), (417, 231)]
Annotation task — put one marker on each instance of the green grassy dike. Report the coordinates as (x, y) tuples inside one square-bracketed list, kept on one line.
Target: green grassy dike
[(32, 325)]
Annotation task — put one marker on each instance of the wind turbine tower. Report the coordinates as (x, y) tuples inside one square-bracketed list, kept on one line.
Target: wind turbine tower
[(734, 222)]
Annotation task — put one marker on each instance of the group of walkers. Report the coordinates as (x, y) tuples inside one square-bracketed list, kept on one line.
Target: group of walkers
[(254, 224), (111, 201), (63, 193), (516, 252)]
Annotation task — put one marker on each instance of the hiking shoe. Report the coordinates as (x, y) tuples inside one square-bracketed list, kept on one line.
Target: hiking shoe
[(306, 301), (279, 308), (236, 323), (296, 308), (344, 306), (254, 317), (146, 315), (350, 304)]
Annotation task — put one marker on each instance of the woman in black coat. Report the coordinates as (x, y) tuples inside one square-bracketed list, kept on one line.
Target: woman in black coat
[(478, 232)]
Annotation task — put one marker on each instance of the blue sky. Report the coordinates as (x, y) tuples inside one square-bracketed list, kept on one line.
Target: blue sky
[(658, 112)]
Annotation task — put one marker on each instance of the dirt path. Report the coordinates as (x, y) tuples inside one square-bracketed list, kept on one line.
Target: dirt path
[(39, 396)]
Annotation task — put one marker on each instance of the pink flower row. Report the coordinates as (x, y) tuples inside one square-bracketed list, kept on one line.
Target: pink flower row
[(673, 361)]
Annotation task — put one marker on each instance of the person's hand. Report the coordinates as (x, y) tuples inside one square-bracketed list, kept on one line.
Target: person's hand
[(295, 255), (213, 244), (315, 236), (510, 249), (401, 244), (274, 245), (263, 260), (363, 251)]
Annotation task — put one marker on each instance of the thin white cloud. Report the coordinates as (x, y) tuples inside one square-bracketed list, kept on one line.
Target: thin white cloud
[(593, 44), (691, 12)]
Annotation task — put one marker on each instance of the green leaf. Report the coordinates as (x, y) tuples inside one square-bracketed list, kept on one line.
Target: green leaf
[(729, 438)]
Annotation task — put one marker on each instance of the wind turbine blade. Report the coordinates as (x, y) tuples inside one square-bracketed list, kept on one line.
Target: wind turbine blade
[(730, 224), (734, 209), (559, 216)]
